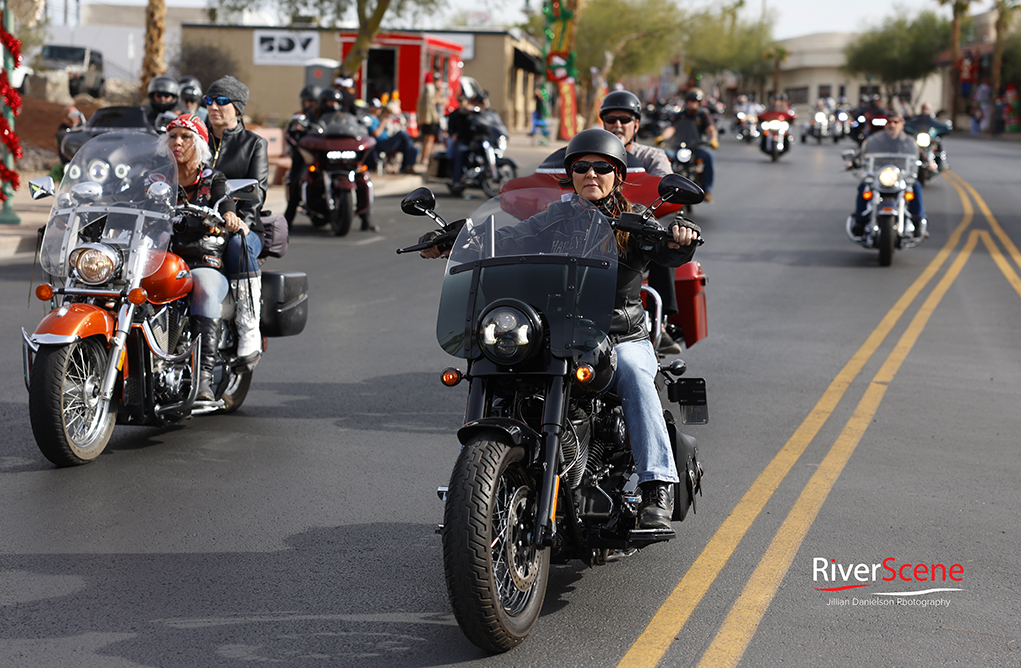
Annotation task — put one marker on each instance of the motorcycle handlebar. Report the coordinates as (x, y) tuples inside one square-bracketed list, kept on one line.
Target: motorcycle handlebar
[(650, 229), (210, 217)]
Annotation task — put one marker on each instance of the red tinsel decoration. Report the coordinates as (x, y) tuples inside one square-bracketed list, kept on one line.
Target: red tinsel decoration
[(12, 100)]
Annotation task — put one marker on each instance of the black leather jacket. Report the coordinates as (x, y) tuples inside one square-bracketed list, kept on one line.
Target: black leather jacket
[(628, 323), (242, 154)]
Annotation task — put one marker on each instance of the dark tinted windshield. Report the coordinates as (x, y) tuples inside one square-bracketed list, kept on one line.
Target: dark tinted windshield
[(118, 117), (69, 53)]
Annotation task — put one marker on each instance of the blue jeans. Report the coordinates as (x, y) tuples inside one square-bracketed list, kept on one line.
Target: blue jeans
[(915, 207), (209, 287), (458, 152), (400, 143), (234, 265), (634, 382)]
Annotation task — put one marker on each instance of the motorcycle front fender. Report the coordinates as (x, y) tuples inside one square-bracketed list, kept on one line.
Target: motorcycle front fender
[(520, 434), (72, 322), (342, 180)]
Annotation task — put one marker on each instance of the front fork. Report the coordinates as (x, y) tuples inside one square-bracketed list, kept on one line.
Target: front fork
[(118, 343)]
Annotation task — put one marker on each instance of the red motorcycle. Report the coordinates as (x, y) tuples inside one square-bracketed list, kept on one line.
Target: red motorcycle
[(335, 186), (777, 137), (117, 345)]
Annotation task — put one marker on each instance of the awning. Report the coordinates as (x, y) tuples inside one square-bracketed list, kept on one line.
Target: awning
[(528, 62)]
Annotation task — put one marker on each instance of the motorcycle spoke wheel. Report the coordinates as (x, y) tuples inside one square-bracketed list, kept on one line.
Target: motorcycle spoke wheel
[(70, 422), (496, 578)]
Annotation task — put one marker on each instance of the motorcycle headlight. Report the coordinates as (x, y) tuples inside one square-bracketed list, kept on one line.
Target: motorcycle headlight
[(841, 116), (820, 117), (509, 333), (923, 139), (889, 175), (684, 154), (782, 126), (99, 171), (502, 143), (95, 264)]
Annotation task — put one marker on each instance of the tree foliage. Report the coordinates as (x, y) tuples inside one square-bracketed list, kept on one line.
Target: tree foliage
[(639, 35), (902, 50), (716, 41)]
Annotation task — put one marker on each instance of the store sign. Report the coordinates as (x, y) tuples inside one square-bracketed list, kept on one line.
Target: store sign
[(284, 47)]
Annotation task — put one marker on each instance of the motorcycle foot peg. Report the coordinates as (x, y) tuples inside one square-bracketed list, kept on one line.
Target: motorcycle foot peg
[(651, 535), (439, 528), (442, 493)]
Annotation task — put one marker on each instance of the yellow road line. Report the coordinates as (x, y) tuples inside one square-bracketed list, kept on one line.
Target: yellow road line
[(654, 641), (741, 623), (987, 212)]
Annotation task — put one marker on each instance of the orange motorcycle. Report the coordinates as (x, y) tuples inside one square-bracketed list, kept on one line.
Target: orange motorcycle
[(117, 346)]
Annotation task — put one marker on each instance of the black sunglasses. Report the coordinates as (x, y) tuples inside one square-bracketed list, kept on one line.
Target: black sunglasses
[(220, 100), (582, 167), (623, 120)]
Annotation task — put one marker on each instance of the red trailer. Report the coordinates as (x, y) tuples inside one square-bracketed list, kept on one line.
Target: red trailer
[(398, 62)]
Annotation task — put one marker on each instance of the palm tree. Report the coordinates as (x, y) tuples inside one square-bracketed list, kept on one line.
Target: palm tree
[(960, 8), (154, 61), (776, 55), (1004, 14)]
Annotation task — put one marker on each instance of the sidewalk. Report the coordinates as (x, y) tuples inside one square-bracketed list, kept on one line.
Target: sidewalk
[(21, 238)]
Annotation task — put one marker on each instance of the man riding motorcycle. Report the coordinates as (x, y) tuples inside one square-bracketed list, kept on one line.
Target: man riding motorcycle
[(620, 113), (891, 140), (299, 125), (690, 125), (163, 92)]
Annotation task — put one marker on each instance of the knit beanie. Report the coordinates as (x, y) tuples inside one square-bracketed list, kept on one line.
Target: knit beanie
[(230, 87)]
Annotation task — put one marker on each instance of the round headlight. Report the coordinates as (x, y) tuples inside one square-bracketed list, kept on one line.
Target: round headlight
[(684, 154), (889, 175), (74, 172), (95, 264), (923, 139), (820, 117), (502, 143), (508, 335), (99, 171)]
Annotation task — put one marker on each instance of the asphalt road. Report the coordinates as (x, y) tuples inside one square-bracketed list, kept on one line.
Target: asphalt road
[(859, 415)]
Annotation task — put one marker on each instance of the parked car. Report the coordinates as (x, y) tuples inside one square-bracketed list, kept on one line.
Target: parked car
[(84, 66), (108, 119)]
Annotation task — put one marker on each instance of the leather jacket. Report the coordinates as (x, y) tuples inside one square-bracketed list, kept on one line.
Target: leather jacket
[(628, 321), (242, 154)]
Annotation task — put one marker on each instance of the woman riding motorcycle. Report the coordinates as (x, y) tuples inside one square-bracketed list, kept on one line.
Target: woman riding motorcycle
[(596, 164)]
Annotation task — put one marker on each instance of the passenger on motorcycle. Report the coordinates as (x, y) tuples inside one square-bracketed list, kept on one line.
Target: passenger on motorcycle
[(891, 140), (241, 154), (596, 164), (621, 112), (190, 101), (201, 246), (689, 126), (390, 140)]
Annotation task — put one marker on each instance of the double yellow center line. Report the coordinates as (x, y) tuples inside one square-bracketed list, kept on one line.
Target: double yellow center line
[(744, 617)]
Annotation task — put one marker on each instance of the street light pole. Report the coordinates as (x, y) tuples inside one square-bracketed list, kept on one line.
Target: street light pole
[(7, 215)]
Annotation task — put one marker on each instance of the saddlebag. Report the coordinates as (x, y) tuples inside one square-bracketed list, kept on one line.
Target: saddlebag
[(284, 303), (689, 469), (689, 283)]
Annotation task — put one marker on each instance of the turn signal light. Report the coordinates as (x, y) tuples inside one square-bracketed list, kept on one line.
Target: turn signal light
[(909, 195), (451, 377), (138, 296), (44, 292), (867, 195), (584, 373), (311, 168)]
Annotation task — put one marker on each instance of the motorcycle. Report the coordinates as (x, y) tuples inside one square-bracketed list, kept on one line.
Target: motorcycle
[(888, 179), (545, 473), (683, 161), (335, 186), (116, 346), (928, 133), (865, 124), (819, 126), (841, 124), (776, 133), (485, 166), (746, 127)]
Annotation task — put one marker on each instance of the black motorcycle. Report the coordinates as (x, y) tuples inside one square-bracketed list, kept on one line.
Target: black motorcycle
[(545, 473), (928, 132), (335, 185), (485, 166)]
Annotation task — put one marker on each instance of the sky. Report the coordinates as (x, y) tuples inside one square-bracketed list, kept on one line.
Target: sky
[(793, 17)]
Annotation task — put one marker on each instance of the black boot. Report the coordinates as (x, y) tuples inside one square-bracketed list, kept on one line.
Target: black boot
[(209, 330), (657, 505)]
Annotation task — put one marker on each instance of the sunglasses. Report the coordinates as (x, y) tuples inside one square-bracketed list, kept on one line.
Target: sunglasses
[(219, 100), (582, 167), (613, 120)]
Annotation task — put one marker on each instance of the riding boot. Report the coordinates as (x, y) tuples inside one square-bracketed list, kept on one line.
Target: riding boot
[(248, 292), (657, 505), (209, 330)]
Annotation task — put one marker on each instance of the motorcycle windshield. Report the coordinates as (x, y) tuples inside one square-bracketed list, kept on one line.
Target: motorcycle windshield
[(562, 262), (106, 196)]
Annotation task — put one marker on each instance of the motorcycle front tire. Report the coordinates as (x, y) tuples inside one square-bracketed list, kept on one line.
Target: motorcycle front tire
[(492, 186), (71, 424), (343, 212), (496, 578), (886, 240)]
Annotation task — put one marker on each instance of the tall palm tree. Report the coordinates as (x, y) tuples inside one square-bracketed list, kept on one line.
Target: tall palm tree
[(960, 8), (1004, 14), (154, 62), (776, 54)]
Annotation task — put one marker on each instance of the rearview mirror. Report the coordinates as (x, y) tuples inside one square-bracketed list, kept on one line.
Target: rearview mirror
[(676, 189), (244, 189), (418, 202), (41, 187)]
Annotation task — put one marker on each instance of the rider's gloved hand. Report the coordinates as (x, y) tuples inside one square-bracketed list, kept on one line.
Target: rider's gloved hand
[(715, 143), (659, 140)]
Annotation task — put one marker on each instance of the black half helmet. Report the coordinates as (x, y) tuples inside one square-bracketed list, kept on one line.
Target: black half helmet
[(597, 141), (621, 100)]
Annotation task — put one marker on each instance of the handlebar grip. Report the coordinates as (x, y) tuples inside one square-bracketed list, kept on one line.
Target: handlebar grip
[(416, 247)]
